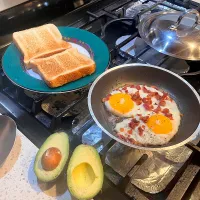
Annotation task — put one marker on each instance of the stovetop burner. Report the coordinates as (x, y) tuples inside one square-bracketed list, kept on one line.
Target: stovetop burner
[(129, 173)]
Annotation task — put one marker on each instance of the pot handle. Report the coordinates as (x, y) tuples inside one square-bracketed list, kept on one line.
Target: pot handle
[(187, 12)]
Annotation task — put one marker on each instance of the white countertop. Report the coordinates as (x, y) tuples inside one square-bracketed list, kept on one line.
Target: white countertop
[(5, 4), (18, 180), (198, 1)]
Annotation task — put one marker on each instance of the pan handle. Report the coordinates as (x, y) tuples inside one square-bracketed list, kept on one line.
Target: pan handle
[(184, 14), (190, 74), (193, 147)]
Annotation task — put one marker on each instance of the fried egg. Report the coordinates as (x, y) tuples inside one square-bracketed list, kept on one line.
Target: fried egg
[(152, 124), (158, 130), (120, 102)]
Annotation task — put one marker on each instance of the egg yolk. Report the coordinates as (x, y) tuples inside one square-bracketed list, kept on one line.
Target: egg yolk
[(121, 102), (159, 124)]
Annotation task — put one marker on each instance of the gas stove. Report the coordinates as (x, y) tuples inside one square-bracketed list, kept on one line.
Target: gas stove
[(129, 173)]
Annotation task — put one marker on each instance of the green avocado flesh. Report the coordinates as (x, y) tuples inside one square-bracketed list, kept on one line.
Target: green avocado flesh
[(85, 173), (59, 141)]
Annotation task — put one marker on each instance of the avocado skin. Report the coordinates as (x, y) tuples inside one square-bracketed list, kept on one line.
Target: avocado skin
[(61, 141), (85, 154)]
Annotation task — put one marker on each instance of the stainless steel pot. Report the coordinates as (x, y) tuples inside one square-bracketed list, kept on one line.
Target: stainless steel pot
[(182, 92), (7, 136), (173, 33)]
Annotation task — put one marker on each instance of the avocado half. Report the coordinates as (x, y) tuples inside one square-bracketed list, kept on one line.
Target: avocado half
[(85, 173), (59, 141)]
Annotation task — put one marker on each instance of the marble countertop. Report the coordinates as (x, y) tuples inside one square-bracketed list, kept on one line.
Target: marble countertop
[(18, 180)]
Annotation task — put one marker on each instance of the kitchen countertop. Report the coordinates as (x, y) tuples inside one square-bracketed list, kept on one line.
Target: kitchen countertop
[(5, 4), (197, 1), (18, 180)]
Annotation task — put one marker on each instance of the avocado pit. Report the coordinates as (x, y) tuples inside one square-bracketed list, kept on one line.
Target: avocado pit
[(51, 158)]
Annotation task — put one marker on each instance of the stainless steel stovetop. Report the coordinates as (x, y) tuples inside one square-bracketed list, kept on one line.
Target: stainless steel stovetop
[(130, 173)]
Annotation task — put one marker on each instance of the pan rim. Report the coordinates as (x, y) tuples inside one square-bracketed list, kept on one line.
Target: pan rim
[(193, 135)]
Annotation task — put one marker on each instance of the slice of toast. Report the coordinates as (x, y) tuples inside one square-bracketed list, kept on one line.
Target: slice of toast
[(39, 42), (63, 67)]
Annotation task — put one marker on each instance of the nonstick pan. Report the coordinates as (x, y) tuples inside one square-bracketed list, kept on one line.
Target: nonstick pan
[(180, 90)]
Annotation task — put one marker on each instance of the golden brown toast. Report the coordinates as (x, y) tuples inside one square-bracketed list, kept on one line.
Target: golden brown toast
[(40, 42), (63, 67)]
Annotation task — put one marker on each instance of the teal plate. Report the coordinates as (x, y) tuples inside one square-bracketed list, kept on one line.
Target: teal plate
[(86, 42)]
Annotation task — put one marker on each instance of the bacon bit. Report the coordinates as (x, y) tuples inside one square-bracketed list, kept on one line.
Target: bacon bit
[(162, 103), (164, 96), (136, 95), (124, 88), (129, 132), (157, 110), (133, 123), (132, 141), (136, 98), (170, 99), (139, 115), (144, 119), (143, 126), (147, 100), (121, 137), (138, 102), (158, 97), (132, 86), (153, 86), (135, 120), (152, 94), (145, 90), (126, 91), (138, 87), (140, 129), (121, 129), (165, 110), (169, 115), (147, 106), (106, 98)]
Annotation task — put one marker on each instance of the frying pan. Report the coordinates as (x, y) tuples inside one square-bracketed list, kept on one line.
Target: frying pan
[(180, 90)]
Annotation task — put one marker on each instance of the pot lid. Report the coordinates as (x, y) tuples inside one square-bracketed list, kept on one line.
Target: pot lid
[(173, 33)]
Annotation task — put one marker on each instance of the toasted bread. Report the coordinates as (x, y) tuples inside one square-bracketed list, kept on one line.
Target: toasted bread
[(63, 67), (39, 42)]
